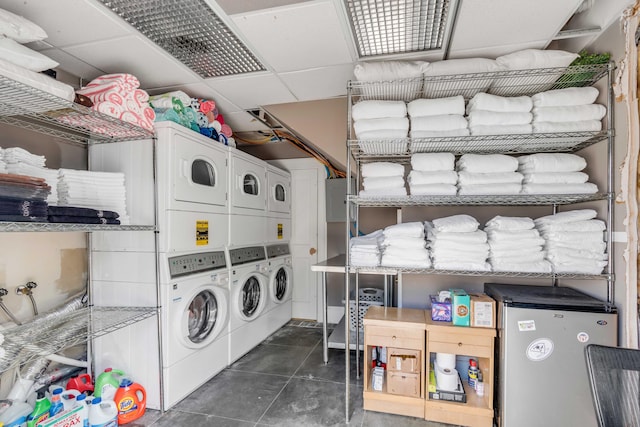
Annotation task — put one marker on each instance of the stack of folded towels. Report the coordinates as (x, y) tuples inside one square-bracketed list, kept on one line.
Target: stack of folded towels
[(364, 251), (555, 173), (574, 241), (432, 174), (23, 198), (403, 245), (380, 119), (382, 179), (21, 162), (515, 245), (438, 117), (567, 110), (456, 243), (76, 215), (497, 115), (3, 165), (488, 174), (103, 191)]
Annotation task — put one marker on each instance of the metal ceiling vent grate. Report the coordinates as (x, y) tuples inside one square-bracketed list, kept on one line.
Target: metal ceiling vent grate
[(388, 27), (191, 32)]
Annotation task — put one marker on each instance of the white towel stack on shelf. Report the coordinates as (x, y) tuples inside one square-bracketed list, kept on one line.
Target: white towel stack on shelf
[(555, 173), (3, 165), (567, 110), (488, 174), (574, 241), (382, 179), (380, 119), (439, 117), (497, 115), (432, 174), (515, 245), (96, 190), (20, 155), (403, 245), (19, 161), (364, 251), (456, 243)]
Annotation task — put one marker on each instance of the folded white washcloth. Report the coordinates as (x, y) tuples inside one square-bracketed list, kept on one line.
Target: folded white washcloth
[(516, 245), (484, 117), (417, 177), (506, 235), (389, 70), (555, 178), (478, 236), (416, 134), (505, 253), (433, 189), (585, 188), (382, 182), (405, 242), (412, 253), (375, 109), (382, 169), (436, 106), (368, 125), (383, 134), (568, 96), (406, 229), (501, 129), (551, 162), (383, 192), (517, 258), (571, 113), (431, 162), (559, 127), (438, 123), (513, 104), (510, 223), (451, 247), (462, 266), (568, 216), (456, 223), (487, 163), (592, 267), (489, 189), (395, 261), (587, 225), (543, 266), (473, 178)]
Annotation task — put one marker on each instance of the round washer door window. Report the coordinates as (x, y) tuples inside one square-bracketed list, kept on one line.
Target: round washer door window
[(250, 297), (203, 315), (281, 284)]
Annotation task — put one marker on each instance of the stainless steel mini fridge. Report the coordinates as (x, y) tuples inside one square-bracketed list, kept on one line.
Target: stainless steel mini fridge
[(541, 370)]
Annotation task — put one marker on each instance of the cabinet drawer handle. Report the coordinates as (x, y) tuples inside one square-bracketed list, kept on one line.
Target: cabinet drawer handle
[(393, 337), (459, 344)]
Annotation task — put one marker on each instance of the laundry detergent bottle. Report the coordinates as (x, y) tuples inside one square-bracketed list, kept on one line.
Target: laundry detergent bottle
[(40, 410), (103, 413), (16, 415), (131, 400), (56, 402), (81, 400), (69, 399), (107, 383)]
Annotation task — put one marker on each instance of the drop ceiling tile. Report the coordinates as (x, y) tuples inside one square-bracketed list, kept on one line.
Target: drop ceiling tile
[(241, 121), (251, 91), (319, 83), (137, 56), (293, 38), (495, 51), (232, 7), (73, 65)]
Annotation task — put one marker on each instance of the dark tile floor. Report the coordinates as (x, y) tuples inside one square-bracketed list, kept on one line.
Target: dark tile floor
[(281, 382)]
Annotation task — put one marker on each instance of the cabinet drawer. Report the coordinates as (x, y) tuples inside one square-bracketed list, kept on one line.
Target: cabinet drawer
[(460, 344), (394, 337)]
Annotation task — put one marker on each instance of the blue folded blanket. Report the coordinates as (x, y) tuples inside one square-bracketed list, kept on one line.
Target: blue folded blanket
[(77, 211), (82, 219), (20, 218), (17, 206)]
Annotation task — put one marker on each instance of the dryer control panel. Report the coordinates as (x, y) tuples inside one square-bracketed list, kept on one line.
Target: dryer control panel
[(244, 255), (280, 249), (184, 265)]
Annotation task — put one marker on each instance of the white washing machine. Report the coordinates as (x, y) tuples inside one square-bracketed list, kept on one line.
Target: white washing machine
[(249, 298), (280, 287), (278, 205), (195, 322)]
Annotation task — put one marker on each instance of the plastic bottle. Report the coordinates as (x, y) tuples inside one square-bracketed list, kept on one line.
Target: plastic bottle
[(107, 383), (82, 383), (81, 400), (103, 413), (131, 401), (16, 415), (479, 385), (473, 372), (68, 398), (40, 410), (56, 402)]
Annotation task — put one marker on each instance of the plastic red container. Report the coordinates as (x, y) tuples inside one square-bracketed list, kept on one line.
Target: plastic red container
[(82, 383), (131, 400)]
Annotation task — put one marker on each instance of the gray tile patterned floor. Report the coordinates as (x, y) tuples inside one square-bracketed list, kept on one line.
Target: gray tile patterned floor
[(281, 382)]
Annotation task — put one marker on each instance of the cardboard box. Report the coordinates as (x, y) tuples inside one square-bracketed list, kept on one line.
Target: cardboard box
[(403, 383), (482, 311), (440, 311), (404, 360), (460, 309)]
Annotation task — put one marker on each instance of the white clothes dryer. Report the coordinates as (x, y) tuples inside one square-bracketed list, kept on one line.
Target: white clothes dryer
[(249, 297), (280, 287), (195, 322), (278, 205)]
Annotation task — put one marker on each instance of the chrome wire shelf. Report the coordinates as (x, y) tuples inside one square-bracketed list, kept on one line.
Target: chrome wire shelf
[(482, 144), (65, 227), (30, 108), (503, 200), (503, 83), (30, 341)]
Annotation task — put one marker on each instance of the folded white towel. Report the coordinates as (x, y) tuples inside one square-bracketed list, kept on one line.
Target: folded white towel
[(455, 256), (574, 236), (559, 127), (567, 216), (375, 109), (17, 154), (382, 182), (517, 258), (591, 267), (417, 177), (506, 235), (516, 245), (555, 178), (395, 261), (571, 113), (489, 189), (368, 125), (473, 178), (506, 253), (528, 267), (82, 174), (596, 247), (436, 106), (478, 236), (383, 192), (413, 253), (456, 223), (416, 134), (451, 247), (500, 129), (484, 117), (389, 70), (433, 189), (585, 188), (510, 223), (587, 225), (431, 162), (561, 258), (383, 134), (486, 101), (405, 229), (372, 239), (551, 162), (405, 242), (382, 169), (462, 266), (568, 96), (487, 163), (438, 123), (577, 253)]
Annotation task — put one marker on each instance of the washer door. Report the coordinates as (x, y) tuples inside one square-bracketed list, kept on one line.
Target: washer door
[(280, 284), (204, 317), (251, 297)]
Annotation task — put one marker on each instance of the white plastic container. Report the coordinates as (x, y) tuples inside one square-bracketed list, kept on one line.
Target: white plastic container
[(81, 400), (69, 399), (103, 413), (16, 414)]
